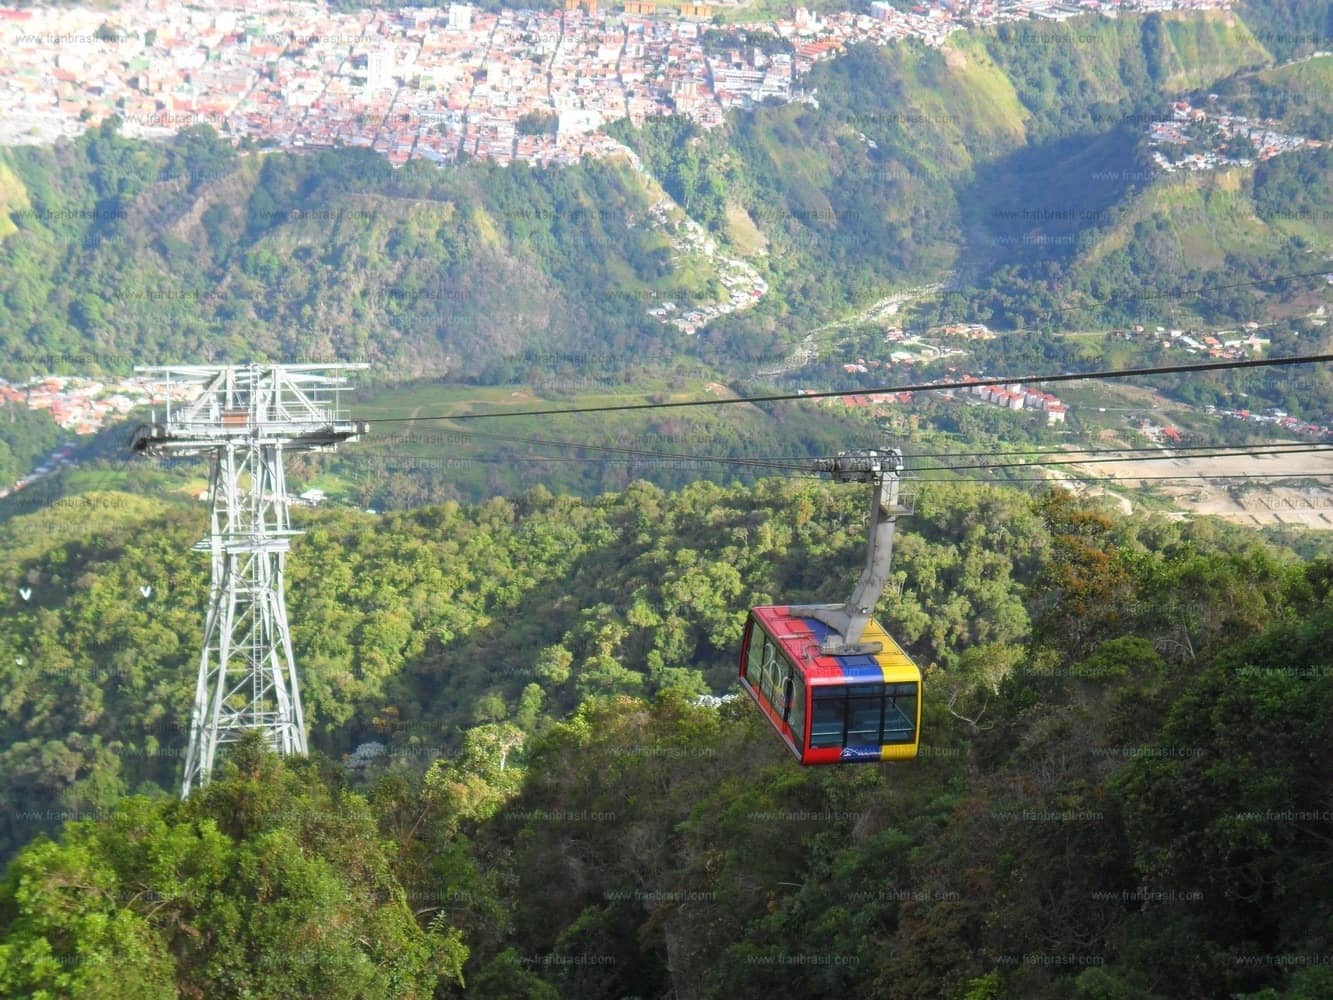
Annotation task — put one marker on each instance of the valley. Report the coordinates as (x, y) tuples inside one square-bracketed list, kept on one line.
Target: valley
[(515, 616)]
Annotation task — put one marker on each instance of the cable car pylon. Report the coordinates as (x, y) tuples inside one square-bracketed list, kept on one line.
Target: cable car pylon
[(245, 417), (883, 470)]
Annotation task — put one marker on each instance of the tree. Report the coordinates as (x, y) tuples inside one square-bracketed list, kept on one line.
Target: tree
[(266, 880), (1084, 589)]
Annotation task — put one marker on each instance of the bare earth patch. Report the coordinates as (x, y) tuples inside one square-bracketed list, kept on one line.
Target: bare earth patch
[(1218, 486)]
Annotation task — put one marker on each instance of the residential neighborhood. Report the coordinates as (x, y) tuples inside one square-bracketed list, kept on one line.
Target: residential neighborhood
[(1205, 138), (1275, 418), (1230, 345), (1010, 397), (84, 405), (436, 83)]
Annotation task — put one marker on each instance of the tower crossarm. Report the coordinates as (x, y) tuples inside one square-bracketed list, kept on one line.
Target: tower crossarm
[(295, 406)]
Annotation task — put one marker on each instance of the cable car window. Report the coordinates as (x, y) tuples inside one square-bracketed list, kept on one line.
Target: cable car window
[(827, 717), (754, 666), (899, 713), (754, 657), (796, 717), (864, 702), (755, 638), (768, 673)]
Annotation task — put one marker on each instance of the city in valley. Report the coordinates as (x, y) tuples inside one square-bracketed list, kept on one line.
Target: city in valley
[(437, 83)]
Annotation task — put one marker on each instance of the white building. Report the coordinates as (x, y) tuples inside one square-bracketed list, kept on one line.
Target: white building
[(379, 69), (577, 121), (460, 17)]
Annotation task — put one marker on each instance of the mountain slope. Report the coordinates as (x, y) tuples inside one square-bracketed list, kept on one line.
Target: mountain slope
[(1080, 805), (189, 251), (923, 164)]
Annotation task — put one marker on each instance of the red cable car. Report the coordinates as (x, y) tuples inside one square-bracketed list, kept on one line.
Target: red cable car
[(831, 708), (837, 688)]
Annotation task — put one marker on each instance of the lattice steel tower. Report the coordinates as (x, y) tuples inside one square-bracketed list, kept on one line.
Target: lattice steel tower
[(245, 417)]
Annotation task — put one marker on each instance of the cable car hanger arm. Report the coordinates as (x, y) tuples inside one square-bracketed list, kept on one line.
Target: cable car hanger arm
[(882, 470)]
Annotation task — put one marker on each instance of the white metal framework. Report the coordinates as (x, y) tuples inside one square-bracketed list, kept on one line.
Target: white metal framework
[(244, 417)]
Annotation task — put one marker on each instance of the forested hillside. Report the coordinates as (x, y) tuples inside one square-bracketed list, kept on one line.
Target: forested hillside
[(26, 438), (989, 162), (190, 251), (1268, 216), (1119, 792), (1291, 29)]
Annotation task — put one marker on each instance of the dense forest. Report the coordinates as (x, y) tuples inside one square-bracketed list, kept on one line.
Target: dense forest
[(27, 437), (514, 793)]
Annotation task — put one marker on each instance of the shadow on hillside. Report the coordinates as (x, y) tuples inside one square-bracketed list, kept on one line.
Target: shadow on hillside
[(1034, 204)]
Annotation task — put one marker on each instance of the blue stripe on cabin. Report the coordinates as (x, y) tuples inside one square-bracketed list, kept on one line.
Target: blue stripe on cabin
[(818, 629), (861, 667)]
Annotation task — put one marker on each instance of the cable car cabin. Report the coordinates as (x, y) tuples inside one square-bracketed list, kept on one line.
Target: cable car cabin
[(831, 709)]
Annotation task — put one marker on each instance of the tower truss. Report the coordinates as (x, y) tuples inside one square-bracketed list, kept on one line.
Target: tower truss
[(245, 417)]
